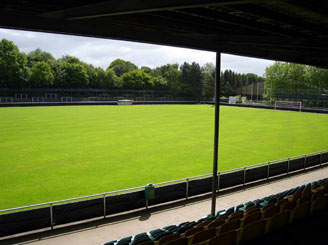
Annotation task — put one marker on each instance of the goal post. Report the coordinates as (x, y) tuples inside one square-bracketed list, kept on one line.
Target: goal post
[(288, 104)]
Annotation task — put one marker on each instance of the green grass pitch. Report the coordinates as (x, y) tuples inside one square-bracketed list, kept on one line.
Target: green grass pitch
[(53, 153)]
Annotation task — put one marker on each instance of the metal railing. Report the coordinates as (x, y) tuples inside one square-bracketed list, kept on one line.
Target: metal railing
[(183, 180)]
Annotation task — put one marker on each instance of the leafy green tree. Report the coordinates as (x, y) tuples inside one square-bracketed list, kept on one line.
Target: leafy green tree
[(37, 56), (191, 78), (172, 74), (160, 83), (59, 74), (112, 81), (41, 75), (75, 76), (251, 78), (208, 71), (121, 66), (92, 73), (287, 77), (70, 59), (137, 79), (146, 69), (317, 78), (13, 70)]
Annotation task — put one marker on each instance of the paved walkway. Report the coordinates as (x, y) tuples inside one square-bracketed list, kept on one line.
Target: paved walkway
[(114, 230)]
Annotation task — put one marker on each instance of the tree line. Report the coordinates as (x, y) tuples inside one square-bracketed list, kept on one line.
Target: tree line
[(295, 81), (39, 69)]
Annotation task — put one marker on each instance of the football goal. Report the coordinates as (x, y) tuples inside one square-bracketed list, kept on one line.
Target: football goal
[(51, 96), (6, 99), (37, 99), (66, 99), (288, 104)]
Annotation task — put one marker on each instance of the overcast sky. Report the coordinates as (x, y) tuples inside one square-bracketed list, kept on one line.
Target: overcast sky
[(101, 52)]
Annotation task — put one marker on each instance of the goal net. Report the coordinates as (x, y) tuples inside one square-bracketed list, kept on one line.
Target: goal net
[(288, 104), (37, 99), (66, 99)]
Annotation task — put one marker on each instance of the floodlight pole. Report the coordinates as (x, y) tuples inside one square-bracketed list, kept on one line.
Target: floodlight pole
[(216, 131)]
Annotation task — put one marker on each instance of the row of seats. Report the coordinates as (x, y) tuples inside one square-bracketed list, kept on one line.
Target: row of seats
[(240, 223)]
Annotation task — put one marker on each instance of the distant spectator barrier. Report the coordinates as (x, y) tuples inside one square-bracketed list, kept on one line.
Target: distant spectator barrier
[(28, 218)]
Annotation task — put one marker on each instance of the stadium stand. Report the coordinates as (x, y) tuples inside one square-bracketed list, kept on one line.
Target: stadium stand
[(254, 222)]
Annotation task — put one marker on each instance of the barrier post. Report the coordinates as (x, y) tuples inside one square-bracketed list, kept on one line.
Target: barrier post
[(288, 166), (187, 188), (51, 216), (146, 203), (218, 181), (244, 177), (268, 173), (304, 161), (320, 158), (104, 206)]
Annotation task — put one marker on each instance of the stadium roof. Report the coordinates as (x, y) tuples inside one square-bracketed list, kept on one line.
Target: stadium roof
[(286, 30)]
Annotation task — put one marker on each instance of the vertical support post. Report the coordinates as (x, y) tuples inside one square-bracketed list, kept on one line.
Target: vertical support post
[(244, 177), (271, 92), (288, 166), (187, 188), (252, 92), (268, 173), (304, 161), (219, 181), (51, 216), (216, 131), (104, 206), (146, 203), (320, 158)]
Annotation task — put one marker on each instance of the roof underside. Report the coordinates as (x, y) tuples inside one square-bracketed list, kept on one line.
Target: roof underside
[(286, 30)]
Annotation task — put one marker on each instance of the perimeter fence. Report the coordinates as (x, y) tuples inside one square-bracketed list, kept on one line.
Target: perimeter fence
[(51, 214)]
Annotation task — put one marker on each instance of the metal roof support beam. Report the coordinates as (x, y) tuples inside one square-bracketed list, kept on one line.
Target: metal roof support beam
[(216, 132), (119, 7)]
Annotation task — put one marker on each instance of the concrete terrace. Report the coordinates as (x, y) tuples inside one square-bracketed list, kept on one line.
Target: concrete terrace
[(114, 228)]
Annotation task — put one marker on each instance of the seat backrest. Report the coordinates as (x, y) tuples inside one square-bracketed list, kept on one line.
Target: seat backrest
[(251, 210), (288, 205), (252, 231), (180, 241), (229, 226), (268, 206), (203, 235), (237, 213), (306, 191), (216, 223), (228, 238), (316, 194), (146, 243), (268, 213), (279, 220), (325, 188), (319, 204), (204, 223), (304, 199), (281, 202), (300, 212), (296, 195), (168, 238), (252, 218), (193, 231), (237, 216)]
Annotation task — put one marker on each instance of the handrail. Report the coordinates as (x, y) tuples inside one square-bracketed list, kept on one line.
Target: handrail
[(104, 194)]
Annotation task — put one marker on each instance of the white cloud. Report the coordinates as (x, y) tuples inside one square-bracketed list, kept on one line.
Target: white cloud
[(101, 52)]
